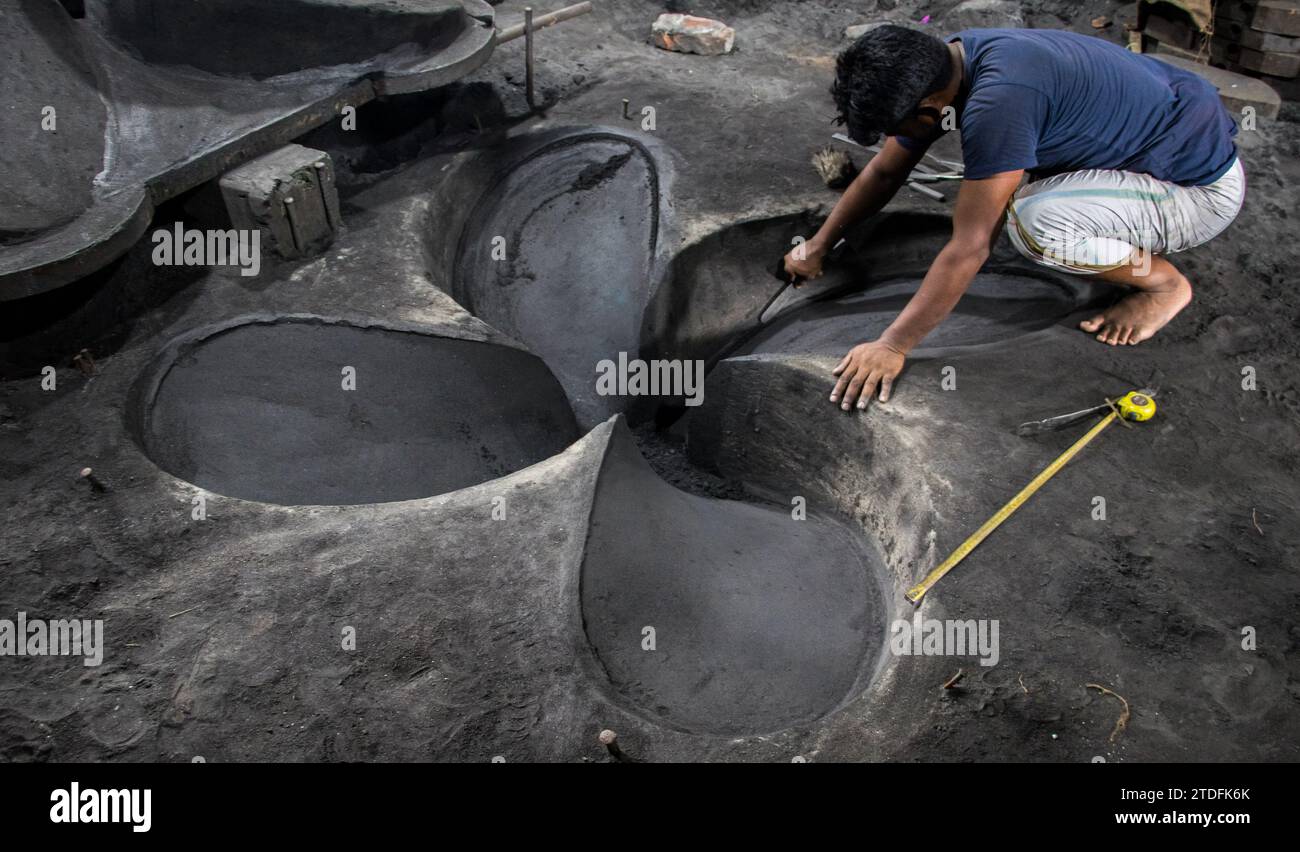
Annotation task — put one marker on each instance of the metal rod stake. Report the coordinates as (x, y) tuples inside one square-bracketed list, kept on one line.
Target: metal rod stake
[(528, 50)]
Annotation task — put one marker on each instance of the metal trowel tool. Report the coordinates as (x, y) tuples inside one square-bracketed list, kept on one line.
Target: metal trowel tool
[(793, 283)]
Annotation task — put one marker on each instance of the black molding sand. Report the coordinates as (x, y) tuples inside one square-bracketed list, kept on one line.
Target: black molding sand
[(257, 410), (253, 38), (520, 637), (578, 224), (758, 621), (155, 98), (998, 306), (720, 299), (763, 622)]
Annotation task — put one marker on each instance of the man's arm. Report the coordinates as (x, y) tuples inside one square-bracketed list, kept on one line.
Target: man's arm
[(976, 219), (870, 191)]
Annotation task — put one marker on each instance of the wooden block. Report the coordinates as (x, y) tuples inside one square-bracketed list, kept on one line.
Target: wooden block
[(1164, 49), (1239, 33), (1235, 11), (1177, 33), (1269, 16), (288, 194), (1285, 65), (1277, 16)]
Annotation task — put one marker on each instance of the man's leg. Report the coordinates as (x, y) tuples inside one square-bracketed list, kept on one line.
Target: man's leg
[(1116, 225), (1158, 296)]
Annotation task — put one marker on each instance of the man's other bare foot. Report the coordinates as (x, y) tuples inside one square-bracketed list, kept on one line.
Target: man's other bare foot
[(1140, 314)]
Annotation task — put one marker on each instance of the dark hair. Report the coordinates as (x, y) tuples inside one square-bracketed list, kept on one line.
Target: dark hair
[(881, 77)]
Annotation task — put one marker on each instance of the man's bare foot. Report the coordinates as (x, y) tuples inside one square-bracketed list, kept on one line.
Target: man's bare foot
[(1140, 314)]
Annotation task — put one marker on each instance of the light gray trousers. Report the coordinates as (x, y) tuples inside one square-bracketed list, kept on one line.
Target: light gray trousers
[(1095, 220)]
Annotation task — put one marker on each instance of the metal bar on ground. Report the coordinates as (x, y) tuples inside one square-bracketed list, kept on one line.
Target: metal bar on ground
[(947, 164), (549, 20), (925, 190), (528, 50)]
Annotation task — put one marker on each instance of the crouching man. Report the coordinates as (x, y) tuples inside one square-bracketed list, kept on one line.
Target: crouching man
[(1128, 160)]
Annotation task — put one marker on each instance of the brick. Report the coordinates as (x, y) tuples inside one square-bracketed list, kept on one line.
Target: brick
[(689, 34)]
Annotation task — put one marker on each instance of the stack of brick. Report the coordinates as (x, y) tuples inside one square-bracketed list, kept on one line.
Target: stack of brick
[(1260, 39), (1257, 38)]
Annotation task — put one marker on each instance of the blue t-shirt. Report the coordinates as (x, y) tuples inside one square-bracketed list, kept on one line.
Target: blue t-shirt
[(1050, 102)]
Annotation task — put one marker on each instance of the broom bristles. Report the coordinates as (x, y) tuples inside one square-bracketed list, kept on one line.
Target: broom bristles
[(835, 168)]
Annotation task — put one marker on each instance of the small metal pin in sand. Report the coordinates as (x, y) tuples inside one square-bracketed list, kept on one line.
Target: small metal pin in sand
[(84, 362), (609, 740), (96, 484)]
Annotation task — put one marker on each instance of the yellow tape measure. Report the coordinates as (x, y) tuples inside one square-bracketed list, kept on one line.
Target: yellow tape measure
[(1134, 406)]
